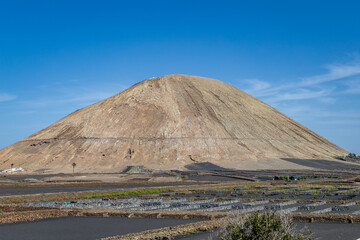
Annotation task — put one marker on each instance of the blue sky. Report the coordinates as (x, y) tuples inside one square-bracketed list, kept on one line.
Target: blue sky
[(301, 57)]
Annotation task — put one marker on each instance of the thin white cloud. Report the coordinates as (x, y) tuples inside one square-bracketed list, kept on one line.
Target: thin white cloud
[(327, 100), (294, 110), (24, 112), (343, 122), (313, 87), (317, 114), (311, 100), (87, 97), (300, 94), (287, 92), (335, 114), (6, 97), (257, 85), (353, 87), (73, 96), (335, 72), (82, 99), (261, 88)]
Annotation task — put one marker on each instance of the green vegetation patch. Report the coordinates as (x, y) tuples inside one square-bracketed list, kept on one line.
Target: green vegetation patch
[(330, 188), (128, 193), (349, 157), (131, 170), (260, 226)]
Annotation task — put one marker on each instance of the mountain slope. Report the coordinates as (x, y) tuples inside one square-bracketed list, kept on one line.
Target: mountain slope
[(167, 122)]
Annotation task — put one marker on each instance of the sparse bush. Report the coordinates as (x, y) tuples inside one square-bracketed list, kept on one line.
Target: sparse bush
[(338, 157), (256, 226), (349, 157), (285, 178)]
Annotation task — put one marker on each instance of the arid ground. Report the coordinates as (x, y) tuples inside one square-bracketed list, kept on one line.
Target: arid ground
[(326, 197)]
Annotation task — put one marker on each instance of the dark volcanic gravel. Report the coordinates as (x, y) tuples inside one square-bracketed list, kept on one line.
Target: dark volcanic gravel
[(25, 176), (79, 228), (213, 178), (324, 164)]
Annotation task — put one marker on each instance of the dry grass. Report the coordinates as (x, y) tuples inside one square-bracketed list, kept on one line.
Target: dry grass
[(170, 232), (26, 216)]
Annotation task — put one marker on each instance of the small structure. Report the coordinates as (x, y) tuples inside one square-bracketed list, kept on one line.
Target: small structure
[(12, 170)]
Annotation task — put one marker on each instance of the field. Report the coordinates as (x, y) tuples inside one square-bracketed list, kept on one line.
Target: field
[(174, 204)]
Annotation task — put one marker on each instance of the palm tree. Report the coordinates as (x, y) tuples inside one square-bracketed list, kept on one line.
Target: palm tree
[(11, 167), (73, 165)]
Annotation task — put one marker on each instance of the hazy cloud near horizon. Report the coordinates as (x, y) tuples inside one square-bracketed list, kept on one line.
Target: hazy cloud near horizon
[(6, 97), (316, 86), (319, 100)]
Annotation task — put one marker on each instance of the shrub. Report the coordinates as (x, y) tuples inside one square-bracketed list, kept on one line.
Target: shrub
[(256, 226), (351, 155)]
